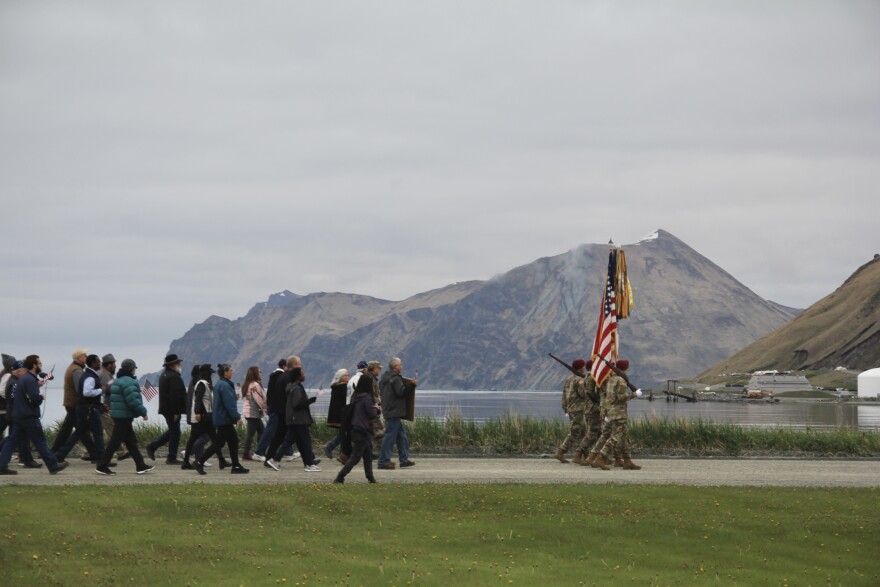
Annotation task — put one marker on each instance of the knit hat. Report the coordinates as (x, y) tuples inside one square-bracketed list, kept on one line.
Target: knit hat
[(622, 364), (8, 361), (362, 364), (107, 359), (79, 353), (17, 365), (374, 364), (578, 364), (127, 364)]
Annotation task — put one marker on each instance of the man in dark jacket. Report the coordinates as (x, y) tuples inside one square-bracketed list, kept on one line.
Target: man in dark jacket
[(278, 395), (274, 397), (26, 400), (393, 394), (172, 404)]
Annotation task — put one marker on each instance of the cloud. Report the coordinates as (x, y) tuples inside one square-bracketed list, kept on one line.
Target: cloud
[(161, 163)]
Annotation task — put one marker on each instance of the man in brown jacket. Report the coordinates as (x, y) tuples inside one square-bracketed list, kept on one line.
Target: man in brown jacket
[(71, 396)]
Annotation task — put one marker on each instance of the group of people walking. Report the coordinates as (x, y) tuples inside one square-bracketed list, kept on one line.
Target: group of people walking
[(598, 416), (98, 398)]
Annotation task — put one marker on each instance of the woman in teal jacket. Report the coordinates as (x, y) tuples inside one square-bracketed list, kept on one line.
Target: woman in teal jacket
[(226, 416), (125, 405)]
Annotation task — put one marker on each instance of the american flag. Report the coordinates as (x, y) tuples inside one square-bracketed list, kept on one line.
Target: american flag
[(605, 345), (148, 391)]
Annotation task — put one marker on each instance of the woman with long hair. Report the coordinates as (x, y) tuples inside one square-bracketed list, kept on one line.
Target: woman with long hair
[(253, 407)]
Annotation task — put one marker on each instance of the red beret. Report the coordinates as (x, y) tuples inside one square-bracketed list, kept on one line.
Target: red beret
[(622, 364), (578, 364), (589, 364)]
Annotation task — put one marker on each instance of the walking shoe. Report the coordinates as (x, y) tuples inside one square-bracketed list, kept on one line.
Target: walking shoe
[(272, 464), (312, 468), (224, 463), (618, 462), (60, 467), (239, 470), (292, 457), (104, 470), (31, 465), (560, 455), (372, 480), (327, 452), (172, 462), (247, 457), (187, 466), (258, 457), (151, 452), (145, 469), (629, 465), (589, 460), (578, 458), (200, 467), (87, 457), (316, 462), (408, 464), (388, 466), (207, 464), (5, 471), (338, 480)]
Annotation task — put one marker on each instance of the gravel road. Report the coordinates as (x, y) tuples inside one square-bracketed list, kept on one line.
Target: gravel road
[(692, 472)]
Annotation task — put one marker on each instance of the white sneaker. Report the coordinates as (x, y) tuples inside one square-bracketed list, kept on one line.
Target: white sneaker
[(312, 468), (207, 464), (257, 457), (272, 463), (292, 457)]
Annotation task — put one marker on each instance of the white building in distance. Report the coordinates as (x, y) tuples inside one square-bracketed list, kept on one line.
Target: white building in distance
[(869, 383)]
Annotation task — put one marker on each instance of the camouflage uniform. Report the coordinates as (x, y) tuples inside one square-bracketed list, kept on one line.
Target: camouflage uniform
[(378, 423), (617, 394), (592, 416), (575, 403)]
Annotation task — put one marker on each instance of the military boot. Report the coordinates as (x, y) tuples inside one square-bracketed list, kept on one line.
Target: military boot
[(578, 458), (560, 455), (618, 462), (600, 462), (588, 462), (629, 465)]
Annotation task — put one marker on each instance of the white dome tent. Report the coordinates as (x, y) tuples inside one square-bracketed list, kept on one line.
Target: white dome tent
[(869, 383)]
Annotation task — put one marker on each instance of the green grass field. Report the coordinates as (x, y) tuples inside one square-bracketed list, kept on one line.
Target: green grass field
[(438, 535)]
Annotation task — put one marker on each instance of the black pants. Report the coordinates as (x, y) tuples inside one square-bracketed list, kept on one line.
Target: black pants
[(225, 435), (123, 433), (197, 432), (302, 436), (278, 439), (362, 449), (66, 428)]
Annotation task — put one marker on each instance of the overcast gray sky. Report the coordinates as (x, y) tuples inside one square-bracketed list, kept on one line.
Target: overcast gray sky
[(161, 162)]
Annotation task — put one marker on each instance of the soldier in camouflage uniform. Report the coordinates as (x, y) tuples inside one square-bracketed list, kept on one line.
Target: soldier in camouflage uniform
[(373, 370), (592, 419), (574, 403), (617, 395)]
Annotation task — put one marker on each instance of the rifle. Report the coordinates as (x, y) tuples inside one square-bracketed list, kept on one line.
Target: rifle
[(592, 396), (621, 374)]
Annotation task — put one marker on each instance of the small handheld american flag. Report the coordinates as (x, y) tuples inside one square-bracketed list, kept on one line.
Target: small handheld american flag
[(148, 391)]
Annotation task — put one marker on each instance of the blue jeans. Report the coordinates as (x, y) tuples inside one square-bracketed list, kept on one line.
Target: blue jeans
[(32, 430), (89, 430), (394, 433), (267, 436), (171, 436)]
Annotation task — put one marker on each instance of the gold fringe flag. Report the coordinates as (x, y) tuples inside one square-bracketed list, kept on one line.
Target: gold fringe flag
[(617, 303)]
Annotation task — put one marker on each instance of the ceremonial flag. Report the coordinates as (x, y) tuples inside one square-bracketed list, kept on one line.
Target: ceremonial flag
[(605, 345), (148, 391)]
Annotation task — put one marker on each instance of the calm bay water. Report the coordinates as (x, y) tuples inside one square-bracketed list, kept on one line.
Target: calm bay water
[(484, 405)]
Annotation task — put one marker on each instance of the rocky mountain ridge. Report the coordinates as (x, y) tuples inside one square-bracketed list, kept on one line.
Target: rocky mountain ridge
[(495, 334)]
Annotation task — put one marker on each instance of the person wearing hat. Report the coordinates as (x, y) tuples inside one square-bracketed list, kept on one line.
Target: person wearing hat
[(108, 372), (172, 405), (573, 403), (71, 395), (273, 397), (592, 419), (126, 404), (371, 378), (87, 429), (617, 395), (26, 418), (226, 417)]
